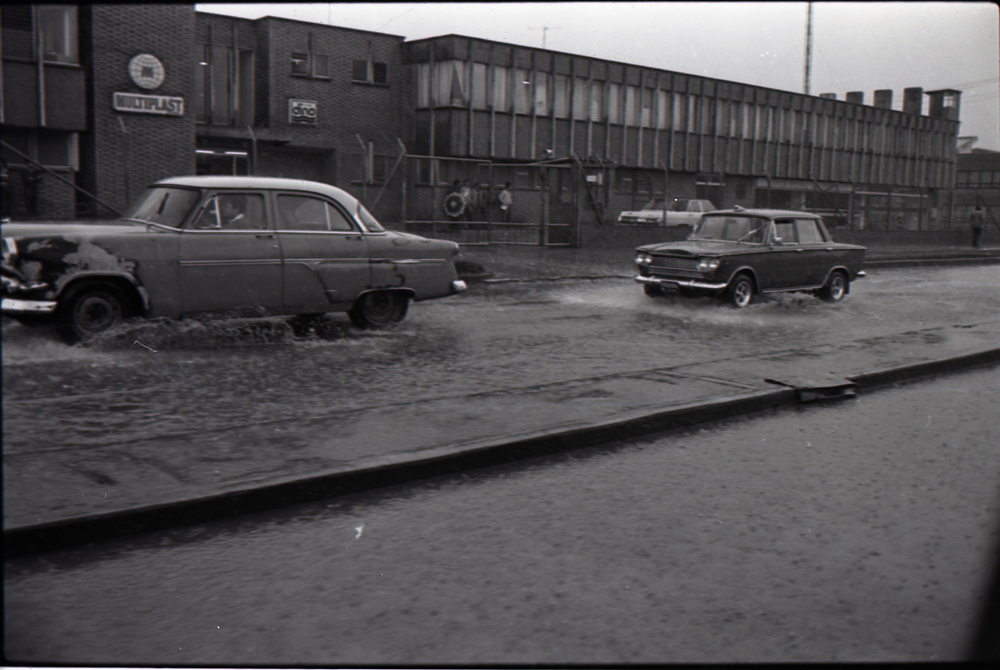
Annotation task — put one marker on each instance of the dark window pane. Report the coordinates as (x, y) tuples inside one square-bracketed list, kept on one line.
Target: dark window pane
[(321, 66), (200, 83), (246, 89), (300, 63), (58, 33), (381, 73), (17, 28), (359, 70), (221, 109)]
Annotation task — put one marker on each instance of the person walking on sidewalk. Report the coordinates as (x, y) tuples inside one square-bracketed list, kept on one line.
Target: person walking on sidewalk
[(976, 223)]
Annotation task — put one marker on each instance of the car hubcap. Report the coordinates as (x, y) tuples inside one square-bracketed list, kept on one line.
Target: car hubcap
[(742, 294), (96, 314)]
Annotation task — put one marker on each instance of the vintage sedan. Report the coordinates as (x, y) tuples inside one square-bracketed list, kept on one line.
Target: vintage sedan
[(740, 253), (242, 246)]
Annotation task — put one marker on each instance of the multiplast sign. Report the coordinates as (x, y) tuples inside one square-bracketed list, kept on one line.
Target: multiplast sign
[(148, 104), (302, 112)]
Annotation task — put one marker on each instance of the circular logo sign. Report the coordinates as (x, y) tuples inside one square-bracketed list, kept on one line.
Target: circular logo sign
[(146, 71)]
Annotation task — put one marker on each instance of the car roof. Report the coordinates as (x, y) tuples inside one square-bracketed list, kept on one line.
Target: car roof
[(769, 213), (273, 183)]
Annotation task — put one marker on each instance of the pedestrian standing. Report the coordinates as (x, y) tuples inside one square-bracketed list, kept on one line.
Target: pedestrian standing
[(506, 202), (976, 223)]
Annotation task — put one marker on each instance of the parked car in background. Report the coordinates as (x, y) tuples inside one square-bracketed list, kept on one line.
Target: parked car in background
[(669, 212), (740, 253), (244, 246)]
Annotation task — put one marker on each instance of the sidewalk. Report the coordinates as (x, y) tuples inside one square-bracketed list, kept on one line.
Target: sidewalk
[(51, 501)]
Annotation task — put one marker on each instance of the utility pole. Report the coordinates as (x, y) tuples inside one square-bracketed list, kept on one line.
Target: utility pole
[(809, 44)]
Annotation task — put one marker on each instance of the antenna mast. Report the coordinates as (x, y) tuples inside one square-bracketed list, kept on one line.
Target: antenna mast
[(809, 44)]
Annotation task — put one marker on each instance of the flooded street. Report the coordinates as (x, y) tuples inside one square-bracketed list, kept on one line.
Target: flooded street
[(187, 377)]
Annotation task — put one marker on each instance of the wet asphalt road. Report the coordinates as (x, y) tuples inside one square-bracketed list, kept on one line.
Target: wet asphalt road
[(847, 532), (187, 377)]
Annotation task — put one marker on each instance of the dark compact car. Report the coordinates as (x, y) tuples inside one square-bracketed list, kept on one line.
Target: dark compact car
[(247, 246), (739, 253)]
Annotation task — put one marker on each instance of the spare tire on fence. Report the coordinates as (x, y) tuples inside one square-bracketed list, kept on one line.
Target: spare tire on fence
[(454, 205)]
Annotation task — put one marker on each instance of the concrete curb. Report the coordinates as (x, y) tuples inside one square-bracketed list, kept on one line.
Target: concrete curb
[(434, 462)]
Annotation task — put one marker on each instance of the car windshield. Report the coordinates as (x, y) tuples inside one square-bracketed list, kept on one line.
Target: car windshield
[(366, 218), (655, 203), (731, 229), (164, 205)]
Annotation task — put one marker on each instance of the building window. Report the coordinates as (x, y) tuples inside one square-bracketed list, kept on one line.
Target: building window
[(367, 71), (632, 105), (614, 103), (646, 115), (309, 63), (522, 92), (596, 101), (451, 85), (423, 85), (479, 90), (56, 40), (300, 63), (542, 106), (224, 86), (581, 96), (561, 101), (662, 109), (500, 89)]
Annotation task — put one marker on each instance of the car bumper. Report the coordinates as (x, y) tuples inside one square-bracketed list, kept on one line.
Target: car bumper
[(674, 283), (17, 306)]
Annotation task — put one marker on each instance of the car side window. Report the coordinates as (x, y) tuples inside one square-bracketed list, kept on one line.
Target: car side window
[(232, 211), (784, 232), (809, 232), (338, 221), (300, 212)]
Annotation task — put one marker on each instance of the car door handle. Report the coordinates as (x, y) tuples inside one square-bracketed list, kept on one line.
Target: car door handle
[(265, 236)]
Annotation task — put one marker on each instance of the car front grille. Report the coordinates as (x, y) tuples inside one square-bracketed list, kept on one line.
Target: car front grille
[(671, 266)]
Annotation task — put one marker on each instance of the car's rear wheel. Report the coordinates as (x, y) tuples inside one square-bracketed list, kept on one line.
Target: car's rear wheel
[(379, 309), (91, 309), (741, 291), (835, 289)]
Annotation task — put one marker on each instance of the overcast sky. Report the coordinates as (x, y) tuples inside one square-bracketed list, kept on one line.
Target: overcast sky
[(861, 46)]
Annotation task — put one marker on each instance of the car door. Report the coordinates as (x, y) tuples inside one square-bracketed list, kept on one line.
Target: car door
[(324, 254), (817, 259), (229, 257), (784, 266)]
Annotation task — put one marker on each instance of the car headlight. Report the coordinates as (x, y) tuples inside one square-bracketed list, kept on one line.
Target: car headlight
[(708, 264), (642, 258)]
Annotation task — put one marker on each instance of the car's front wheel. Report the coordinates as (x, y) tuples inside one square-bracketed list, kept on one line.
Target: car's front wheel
[(652, 290), (91, 309), (835, 289), (741, 291), (379, 309)]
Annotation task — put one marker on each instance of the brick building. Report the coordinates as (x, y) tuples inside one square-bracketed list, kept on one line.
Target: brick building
[(65, 70), (283, 98), (113, 97), (109, 98)]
